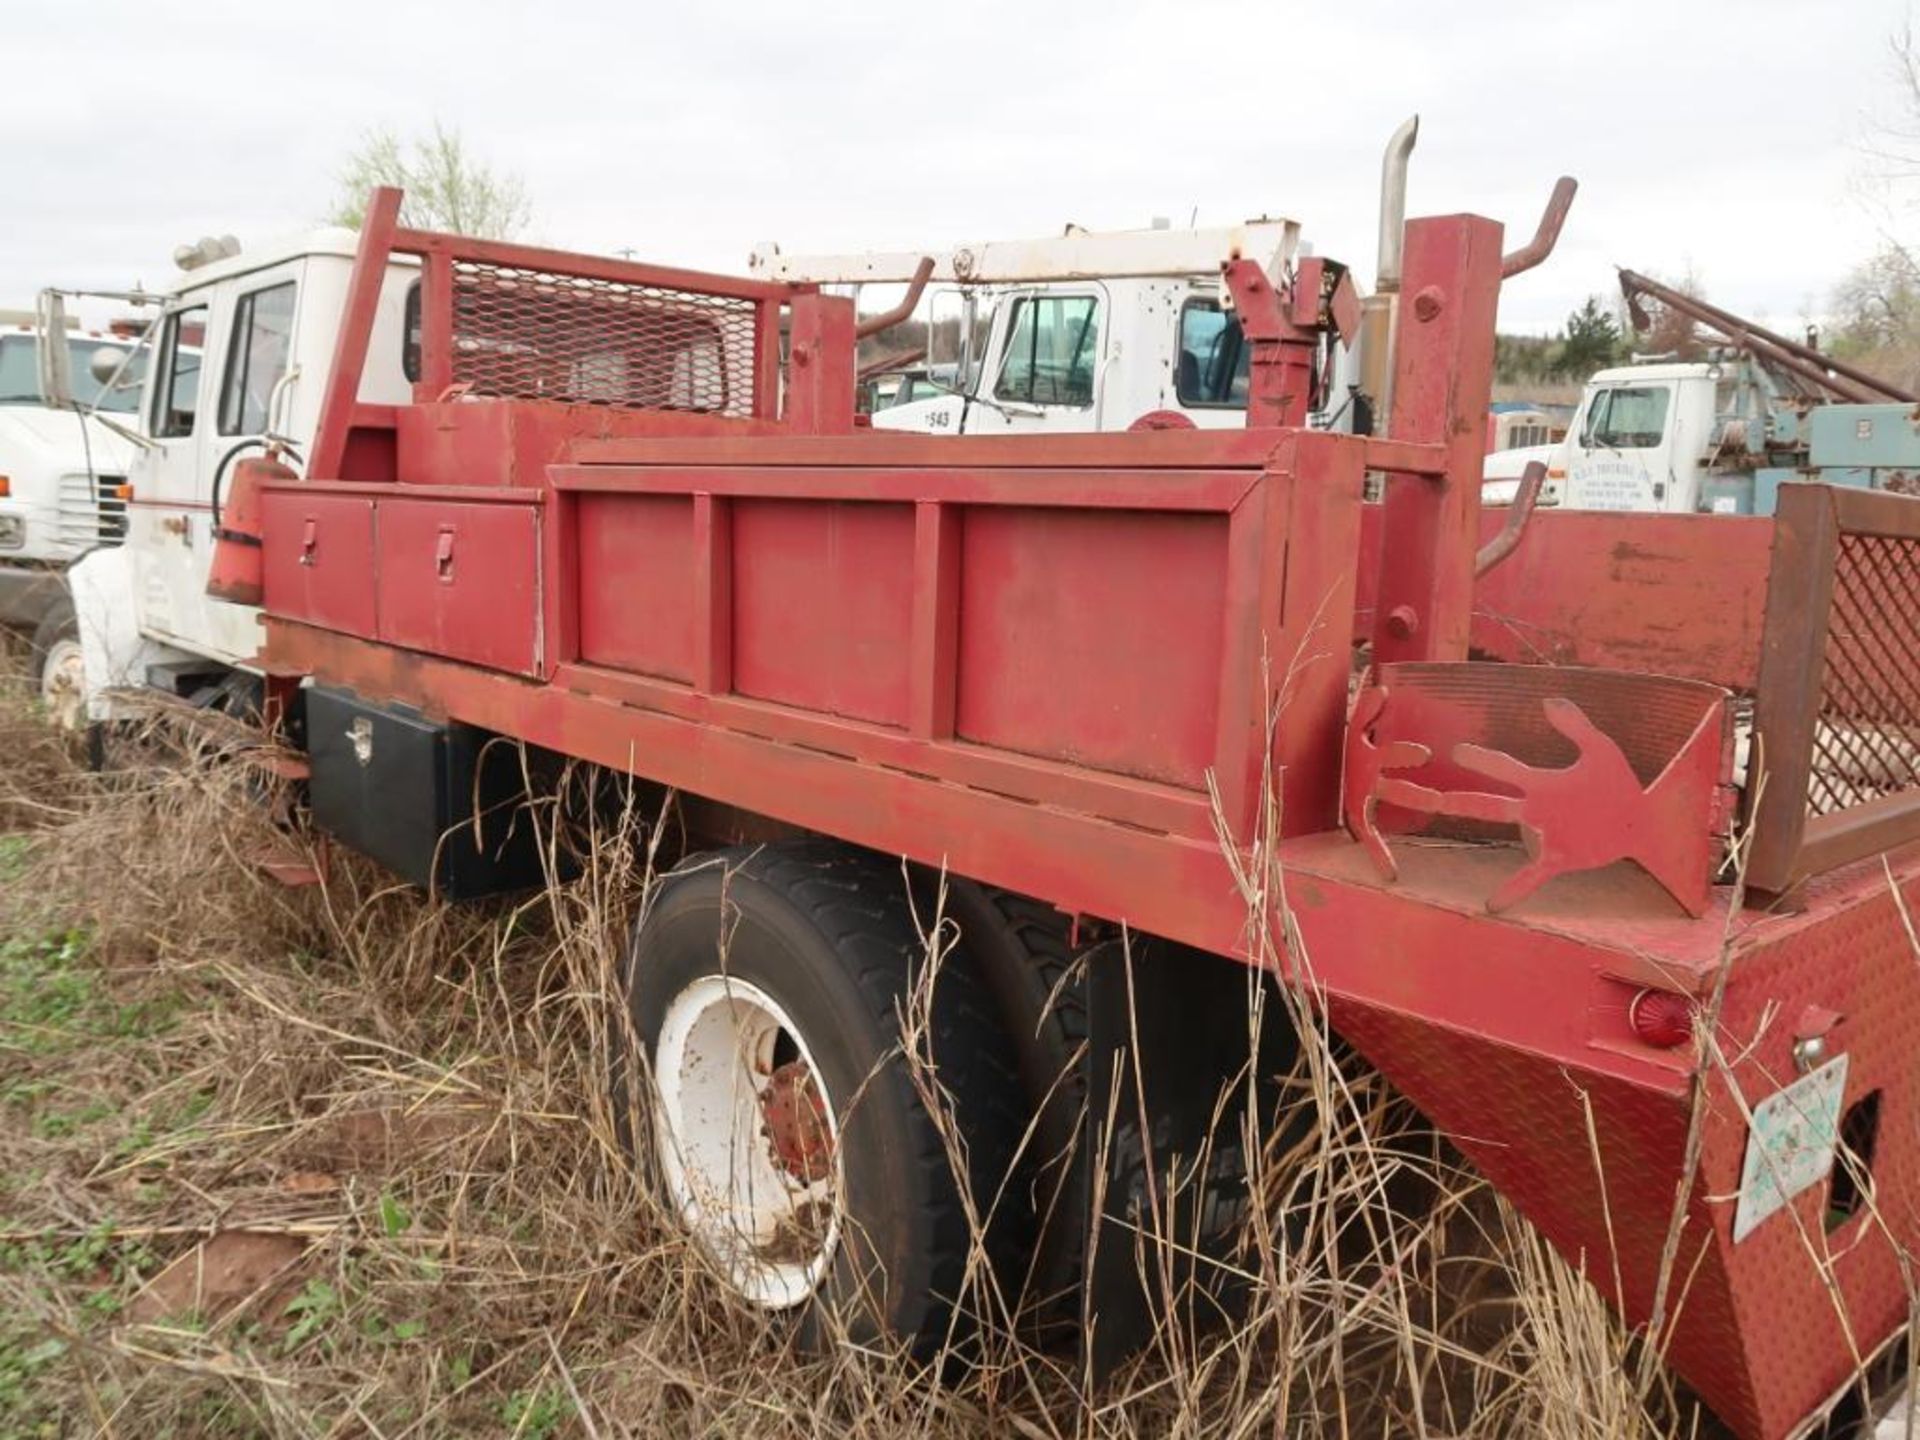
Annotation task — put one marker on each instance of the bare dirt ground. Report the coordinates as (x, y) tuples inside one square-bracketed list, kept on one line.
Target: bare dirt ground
[(337, 1161)]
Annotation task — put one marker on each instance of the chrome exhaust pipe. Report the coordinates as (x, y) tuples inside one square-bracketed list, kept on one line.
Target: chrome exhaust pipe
[(1377, 311)]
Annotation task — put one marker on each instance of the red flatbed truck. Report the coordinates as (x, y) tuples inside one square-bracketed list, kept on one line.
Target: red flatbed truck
[(630, 520)]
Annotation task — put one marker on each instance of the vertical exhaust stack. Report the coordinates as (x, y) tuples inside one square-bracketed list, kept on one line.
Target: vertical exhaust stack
[(1378, 310)]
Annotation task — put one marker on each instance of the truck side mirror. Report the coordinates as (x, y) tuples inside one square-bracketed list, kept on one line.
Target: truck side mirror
[(944, 330), (950, 338), (105, 364), (56, 362)]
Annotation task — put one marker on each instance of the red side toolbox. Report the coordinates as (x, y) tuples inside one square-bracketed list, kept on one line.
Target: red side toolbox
[(316, 559), (461, 580)]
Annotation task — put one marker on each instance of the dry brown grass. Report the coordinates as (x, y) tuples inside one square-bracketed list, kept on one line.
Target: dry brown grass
[(408, 1099)]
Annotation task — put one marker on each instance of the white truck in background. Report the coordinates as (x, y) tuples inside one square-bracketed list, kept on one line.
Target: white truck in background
[(1084, 331), (1721, 435), (1090, 331), (62, 480)]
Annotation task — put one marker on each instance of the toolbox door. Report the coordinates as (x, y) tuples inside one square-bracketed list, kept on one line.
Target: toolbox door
[(317, 552), (461, 580)]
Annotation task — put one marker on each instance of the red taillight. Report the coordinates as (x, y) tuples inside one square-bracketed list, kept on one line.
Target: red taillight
[(1661, 1018)]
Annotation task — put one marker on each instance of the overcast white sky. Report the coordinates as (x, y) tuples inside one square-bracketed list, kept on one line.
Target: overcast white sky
[(1725, 137)]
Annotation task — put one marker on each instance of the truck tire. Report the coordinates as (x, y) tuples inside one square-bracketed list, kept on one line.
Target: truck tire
[(57, 666), (1021, 950), (766, 986)]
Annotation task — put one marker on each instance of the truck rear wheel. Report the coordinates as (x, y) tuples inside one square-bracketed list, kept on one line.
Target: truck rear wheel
[(767, 986), (59, 667), (1021, 950)]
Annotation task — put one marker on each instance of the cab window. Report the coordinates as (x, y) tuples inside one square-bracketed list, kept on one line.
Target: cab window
[(258, 351), (1212, 366), (177, 391), (1053, 342), (1630, 417)]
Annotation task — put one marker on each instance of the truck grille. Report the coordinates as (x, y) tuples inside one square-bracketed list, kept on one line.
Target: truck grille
[(89, 512), (1866, 739), (522, 334)]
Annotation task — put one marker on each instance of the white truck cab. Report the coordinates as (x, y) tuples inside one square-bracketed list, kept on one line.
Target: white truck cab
[(1640, 439), (1085, 331), (1096, 355), (1673, 437), (240, 355)]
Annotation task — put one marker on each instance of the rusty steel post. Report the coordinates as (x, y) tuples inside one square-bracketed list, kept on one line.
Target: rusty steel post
[(350, 345), (820, 380), (1442, 385)]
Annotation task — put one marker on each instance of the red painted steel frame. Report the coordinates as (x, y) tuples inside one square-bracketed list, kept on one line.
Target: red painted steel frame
[(354, 441), (1442, 385), (1050, 663), (1681, 595)]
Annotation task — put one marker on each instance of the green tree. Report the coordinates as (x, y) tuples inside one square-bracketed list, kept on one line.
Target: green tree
[(1523, 359), (1591, 342), (447, 188)]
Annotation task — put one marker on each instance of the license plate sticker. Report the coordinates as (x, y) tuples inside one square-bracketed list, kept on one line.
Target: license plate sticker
[(1791, 1144)]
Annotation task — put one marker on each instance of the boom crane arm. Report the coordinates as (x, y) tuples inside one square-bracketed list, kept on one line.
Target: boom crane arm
[(1831, 379)]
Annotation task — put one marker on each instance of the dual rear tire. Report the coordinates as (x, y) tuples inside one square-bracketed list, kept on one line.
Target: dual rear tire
[(835, 1119)]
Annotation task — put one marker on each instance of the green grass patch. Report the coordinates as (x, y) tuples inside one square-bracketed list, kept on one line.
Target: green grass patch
[(52, 998)]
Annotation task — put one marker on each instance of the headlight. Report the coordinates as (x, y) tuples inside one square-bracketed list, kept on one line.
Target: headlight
[(13, 531)]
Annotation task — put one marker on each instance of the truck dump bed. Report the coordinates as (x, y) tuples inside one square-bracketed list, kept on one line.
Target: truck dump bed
[(1073, 667)]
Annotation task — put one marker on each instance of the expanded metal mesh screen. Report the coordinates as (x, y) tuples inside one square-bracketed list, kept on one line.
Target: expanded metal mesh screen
[(1866, 741), (523, 334)]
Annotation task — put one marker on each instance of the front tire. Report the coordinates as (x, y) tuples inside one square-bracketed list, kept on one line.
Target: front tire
[(767, 986), (58, 666)]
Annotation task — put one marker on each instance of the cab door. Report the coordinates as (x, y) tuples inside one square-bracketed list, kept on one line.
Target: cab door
[(1050, 364), (220, 380), (1618, 458)]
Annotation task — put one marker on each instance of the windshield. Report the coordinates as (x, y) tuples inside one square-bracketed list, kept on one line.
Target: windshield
[(1627, 418), (20, 373)]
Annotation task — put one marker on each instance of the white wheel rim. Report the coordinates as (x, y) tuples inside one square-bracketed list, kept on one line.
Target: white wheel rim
[(63, 684), (772, 1231)]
